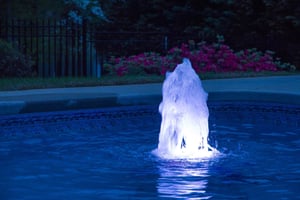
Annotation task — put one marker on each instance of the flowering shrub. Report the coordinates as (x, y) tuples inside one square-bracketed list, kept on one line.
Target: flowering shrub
[(216, 57), (137, 64)]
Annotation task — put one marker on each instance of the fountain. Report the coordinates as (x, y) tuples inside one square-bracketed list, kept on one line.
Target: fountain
[(184, 127), (105, 153)]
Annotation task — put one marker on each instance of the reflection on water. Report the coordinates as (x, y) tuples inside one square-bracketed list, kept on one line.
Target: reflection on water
[(182, 179)]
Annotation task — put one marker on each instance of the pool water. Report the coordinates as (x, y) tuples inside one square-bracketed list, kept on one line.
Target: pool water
[(106, 154)]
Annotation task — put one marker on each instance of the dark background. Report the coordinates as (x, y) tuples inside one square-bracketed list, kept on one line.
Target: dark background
[(263, 24)]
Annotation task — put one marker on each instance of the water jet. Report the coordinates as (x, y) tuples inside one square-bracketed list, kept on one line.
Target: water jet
[(184, 127)]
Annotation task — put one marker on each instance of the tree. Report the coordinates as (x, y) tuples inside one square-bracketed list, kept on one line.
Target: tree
[(79, 10), (31, 9), (75, 10)]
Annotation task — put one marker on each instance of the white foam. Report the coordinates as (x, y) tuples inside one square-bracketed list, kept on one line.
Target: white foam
[(184, 127)]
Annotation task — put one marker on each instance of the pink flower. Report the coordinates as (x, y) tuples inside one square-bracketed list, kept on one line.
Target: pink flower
[(204, 57)]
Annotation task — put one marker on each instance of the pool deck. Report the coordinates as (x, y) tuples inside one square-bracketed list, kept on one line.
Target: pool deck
[(277, 89)]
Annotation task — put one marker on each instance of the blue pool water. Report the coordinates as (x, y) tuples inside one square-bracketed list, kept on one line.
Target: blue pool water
[(106, 154)]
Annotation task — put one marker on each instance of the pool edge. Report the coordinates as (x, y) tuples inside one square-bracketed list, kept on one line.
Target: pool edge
[(279, 89), (18, 107)]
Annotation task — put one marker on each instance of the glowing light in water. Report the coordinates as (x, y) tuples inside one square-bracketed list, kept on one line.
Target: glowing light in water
[(183, 180), (184, 126)]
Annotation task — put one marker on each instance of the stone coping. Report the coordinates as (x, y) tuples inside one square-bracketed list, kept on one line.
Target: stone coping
[(279, 89)]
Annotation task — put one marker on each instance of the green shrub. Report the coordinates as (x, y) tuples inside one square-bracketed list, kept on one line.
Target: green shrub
[(12, 62)]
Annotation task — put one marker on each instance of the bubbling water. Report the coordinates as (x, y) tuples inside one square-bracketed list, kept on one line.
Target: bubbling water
[(184, 127)]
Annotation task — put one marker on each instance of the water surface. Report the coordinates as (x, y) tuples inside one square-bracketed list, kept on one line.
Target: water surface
[(106, 154)]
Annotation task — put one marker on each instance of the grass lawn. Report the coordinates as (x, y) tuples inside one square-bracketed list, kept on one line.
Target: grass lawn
[(38, 83)]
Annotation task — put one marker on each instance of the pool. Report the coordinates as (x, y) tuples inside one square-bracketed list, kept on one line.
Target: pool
[(106, 154)]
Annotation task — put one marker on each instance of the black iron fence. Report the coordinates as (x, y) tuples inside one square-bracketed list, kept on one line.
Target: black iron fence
[(62, 48), (58, 48)]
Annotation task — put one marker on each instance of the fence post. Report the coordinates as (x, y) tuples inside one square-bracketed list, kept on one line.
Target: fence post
[(19, 33), (84, 47), (42, 67), (54, 47), (61, 56), (1, 28), (166, 43), (75, 71), (24, 24), (99, 64), (66, 49), (31, 37), (37, 46), (79, 47)]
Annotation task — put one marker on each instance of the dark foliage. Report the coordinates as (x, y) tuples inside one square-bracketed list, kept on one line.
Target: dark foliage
[(263, 24), (12, 62)]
